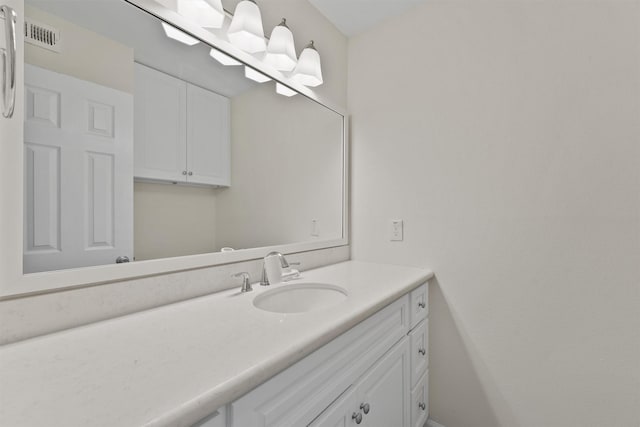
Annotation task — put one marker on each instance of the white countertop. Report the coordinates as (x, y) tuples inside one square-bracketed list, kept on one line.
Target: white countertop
[(173, 365)]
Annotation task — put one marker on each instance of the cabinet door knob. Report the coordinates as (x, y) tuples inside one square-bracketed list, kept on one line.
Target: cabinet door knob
[(422, 406), (365, 408), (422, 305), (422, 351), (190, 173), (184, 172), (357, 417)]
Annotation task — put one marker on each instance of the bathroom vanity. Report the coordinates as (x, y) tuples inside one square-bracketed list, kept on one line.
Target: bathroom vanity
[(374, 374), (221, 361)]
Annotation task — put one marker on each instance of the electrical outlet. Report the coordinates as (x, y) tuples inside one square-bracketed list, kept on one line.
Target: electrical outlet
[(315, 228), (396, 230)]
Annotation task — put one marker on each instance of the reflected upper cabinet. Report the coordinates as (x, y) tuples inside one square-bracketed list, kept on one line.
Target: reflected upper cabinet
[(182, 132)]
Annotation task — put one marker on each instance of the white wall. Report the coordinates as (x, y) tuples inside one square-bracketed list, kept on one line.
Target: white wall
[(112, 67), (507, 136), (173, 220), (286, 170)]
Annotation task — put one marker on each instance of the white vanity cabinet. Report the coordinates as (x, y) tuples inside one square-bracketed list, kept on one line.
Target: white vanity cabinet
[(367, 376), (378, 399), (181, 131)]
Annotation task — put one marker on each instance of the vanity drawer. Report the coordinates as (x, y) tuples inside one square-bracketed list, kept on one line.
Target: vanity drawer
[(419, 338), (419, 305), (420, 401)]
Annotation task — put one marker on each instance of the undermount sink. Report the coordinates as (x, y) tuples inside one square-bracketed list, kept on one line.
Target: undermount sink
[(300, 298)]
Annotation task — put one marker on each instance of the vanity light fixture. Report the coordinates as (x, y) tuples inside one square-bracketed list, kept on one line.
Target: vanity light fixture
[(254, 75), (223, 58), (308, 71), (206, 13), (245, 30), (181, 36), (284, 90), (281, 50)]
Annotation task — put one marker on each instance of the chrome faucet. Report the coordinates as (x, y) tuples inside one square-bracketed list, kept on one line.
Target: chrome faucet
[(284, 265), (246, 284)]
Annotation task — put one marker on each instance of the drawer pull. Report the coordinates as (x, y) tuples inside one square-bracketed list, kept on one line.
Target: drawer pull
[(365, 408), (422, 351), (422, 406), (357, 417), (422, 305)]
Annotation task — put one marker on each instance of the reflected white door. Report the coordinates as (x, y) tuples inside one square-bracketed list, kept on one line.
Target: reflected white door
[(78, 142)]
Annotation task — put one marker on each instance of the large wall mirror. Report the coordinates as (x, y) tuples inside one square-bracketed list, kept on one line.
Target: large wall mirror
[(140, 147)]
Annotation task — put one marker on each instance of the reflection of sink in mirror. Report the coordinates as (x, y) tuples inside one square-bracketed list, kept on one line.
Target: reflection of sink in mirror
[(151, 113), (300, 298)]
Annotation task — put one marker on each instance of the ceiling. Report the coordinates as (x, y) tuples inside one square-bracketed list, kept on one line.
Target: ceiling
[(352, 17)]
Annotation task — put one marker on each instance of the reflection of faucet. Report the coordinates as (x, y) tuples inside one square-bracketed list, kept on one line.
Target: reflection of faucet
[(276, 268)]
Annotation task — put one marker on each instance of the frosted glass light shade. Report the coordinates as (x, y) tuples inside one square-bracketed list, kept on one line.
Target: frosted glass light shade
[(245, 30), (206, 13), (223, 58), (308, 71), (181, 36), (281, 50), (283, 90), (254, 75)]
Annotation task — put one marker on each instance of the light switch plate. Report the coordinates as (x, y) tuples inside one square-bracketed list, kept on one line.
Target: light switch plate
[(396, 230), (315, 228)]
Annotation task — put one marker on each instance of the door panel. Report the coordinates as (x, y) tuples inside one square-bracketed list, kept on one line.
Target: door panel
[(385, 388), (78, 147), (42, 193)]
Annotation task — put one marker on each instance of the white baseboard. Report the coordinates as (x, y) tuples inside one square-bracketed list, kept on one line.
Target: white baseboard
[(431, 423)]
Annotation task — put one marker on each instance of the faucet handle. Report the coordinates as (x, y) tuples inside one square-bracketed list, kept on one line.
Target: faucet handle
[(246, 284)]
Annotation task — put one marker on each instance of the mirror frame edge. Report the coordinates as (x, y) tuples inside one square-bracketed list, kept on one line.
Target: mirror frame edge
[(15, 284)]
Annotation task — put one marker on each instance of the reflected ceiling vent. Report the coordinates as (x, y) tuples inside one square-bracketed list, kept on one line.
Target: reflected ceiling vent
[(41, 35)]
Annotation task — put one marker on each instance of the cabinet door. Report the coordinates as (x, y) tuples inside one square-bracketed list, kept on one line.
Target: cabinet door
[(341, 413), (208, 137), (160, 126), (385, 389), (419, 338)]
